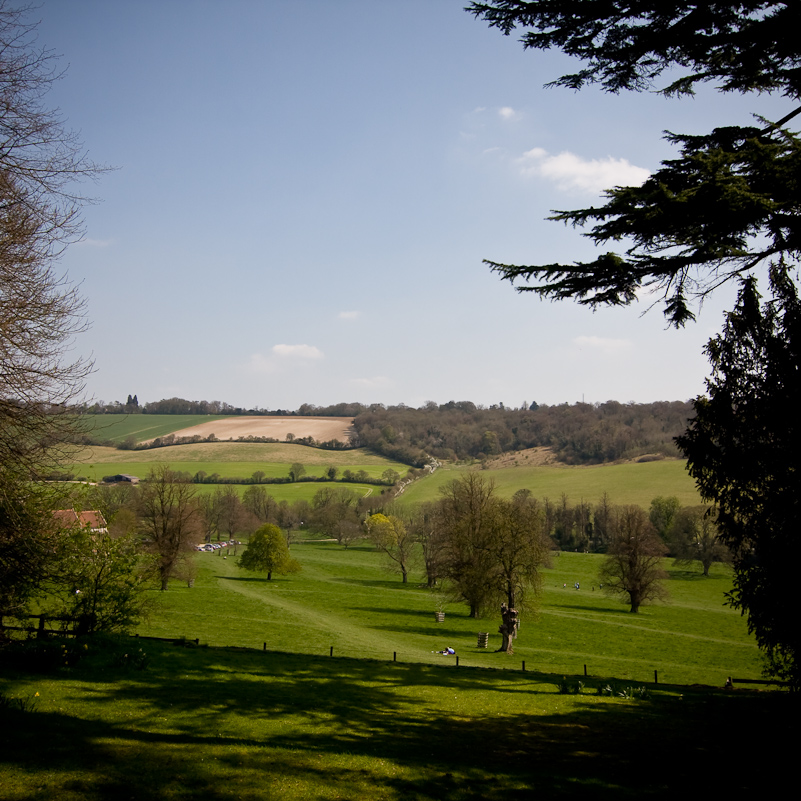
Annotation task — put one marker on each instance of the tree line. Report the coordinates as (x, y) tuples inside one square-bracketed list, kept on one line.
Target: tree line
[(580, 433)]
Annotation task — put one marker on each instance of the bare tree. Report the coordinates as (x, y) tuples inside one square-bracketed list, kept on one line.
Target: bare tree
[(41, 163), (633, 564), (424, 525), (169, 520), (519, 547), (694, 536), (466, 518)]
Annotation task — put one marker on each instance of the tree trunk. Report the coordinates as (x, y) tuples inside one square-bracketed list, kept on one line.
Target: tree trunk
[(507, 629), (269, 575)]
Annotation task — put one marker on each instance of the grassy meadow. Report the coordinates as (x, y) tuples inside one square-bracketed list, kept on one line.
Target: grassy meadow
[(118, 427), (143, 719), (229, 460), (628, 483), (346, 599)]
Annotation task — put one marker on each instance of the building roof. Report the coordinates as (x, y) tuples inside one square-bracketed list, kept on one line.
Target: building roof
[(69, 518)]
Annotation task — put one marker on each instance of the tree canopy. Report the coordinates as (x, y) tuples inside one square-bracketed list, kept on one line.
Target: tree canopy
[(728, 204), (267, 552), (742, 449), (741, 47)]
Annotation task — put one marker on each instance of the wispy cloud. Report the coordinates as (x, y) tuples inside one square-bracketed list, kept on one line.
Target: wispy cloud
[(604, 345), (507, 113), (348, 315), (377, 382), (282, 356), (573, 173), (297, 352)]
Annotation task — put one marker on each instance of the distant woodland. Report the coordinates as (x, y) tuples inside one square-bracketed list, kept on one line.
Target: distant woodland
[(581, 433)]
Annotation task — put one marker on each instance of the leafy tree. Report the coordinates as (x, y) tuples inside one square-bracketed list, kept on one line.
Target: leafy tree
[(169, 520), (267, 552), (296, 471), (394, 539), (101, 582), (694, 537), (30, 543), (632, 566), (663, 513), (743, 448), (390, 476)]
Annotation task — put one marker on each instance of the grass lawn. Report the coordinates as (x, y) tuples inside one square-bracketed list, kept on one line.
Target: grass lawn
[(344, 598), (146, 720), (220, 724)]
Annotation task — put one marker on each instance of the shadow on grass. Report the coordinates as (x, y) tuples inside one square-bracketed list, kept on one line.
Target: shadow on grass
[(222, 725), (256, 579), (386, 584), (697, 575)]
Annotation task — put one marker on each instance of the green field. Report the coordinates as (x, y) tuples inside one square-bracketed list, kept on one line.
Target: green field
[(629, 483), (118, 427), (345, 599), (229, 459), (636, 483), (293, 723)]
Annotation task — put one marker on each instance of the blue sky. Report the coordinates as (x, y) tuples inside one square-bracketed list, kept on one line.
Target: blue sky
[(305, 189)]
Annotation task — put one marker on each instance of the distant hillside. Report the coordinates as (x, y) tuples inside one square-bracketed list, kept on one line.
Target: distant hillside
[(580, 433)]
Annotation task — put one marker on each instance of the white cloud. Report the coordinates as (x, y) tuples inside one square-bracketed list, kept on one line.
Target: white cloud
[(507, 113), (281, 356), (377, 382), (297, 352), (348, 315), (572, 173), (604, 345)]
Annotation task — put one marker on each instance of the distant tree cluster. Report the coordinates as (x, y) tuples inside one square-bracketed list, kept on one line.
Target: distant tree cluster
[(578, 434)]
